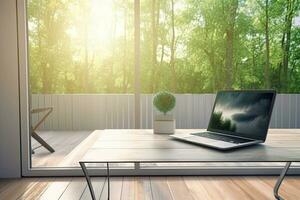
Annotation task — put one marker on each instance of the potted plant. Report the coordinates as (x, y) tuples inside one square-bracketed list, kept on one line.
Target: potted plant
[(164, 102)]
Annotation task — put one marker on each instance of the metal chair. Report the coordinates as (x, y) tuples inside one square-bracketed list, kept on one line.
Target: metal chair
[(38, 138)]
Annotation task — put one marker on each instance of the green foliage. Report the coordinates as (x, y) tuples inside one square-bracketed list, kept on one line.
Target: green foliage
[(187, 46), (164, 101)]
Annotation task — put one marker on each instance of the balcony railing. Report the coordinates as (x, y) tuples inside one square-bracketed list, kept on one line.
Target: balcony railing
[(106, 111)]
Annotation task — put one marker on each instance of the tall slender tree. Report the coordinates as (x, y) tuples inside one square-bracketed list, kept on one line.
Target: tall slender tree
[(230, 11), (267, 52), (173, 48)]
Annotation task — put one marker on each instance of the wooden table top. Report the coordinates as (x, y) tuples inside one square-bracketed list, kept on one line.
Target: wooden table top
[(133, 145)]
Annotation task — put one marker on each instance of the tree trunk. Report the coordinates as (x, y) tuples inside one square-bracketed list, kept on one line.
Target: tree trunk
[(46, 67), (287, 42), (125, 63), (267, 53), (229, 31), (211, 58), (172, 59), (111, 79), (154, 24), (86, 61), (160, 65)]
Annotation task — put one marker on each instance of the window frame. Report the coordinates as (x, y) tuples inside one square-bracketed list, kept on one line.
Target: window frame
[(24, 92)]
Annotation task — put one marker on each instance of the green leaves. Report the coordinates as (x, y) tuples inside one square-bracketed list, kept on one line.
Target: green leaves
[(164, 101), (67, 54)]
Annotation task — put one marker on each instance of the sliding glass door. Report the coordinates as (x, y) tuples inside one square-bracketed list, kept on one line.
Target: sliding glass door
[(81, 70), (96, 64)]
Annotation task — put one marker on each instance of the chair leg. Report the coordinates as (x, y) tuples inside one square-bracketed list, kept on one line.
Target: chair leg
[(42, 142)]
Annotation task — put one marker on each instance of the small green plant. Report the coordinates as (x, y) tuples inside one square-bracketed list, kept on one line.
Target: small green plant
[(164, 101)]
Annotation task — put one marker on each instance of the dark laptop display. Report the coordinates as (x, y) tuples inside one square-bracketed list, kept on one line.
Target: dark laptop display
[(243, 114)]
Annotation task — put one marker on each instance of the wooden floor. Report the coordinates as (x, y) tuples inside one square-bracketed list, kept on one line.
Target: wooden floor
[(151, 188)]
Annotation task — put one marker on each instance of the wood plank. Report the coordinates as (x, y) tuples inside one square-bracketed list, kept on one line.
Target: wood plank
[(136, 188), (254, 187), (116, 188), (15, 188), (49, 119), (150, 110), (37, 189), (56, 189), (3, 184), (287, 191), (131, 113), (210, 185), (125, 111), (143, 111), (98, 184), (160, 188), (196, 189), (143, 188), (228, 189), (55, 113), (128, 188), (179, 189), (74, 190)]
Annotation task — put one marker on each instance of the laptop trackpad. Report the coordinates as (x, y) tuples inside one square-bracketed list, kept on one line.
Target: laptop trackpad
[(204, 140)]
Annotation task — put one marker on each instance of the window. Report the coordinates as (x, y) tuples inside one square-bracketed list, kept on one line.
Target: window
[(82, 62)]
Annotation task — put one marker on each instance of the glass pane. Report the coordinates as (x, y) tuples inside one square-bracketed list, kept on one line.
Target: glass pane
[(191, 46), (195, 48), (81, 68)]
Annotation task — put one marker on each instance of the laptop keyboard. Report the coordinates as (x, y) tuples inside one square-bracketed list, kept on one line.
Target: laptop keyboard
[(221, 137)]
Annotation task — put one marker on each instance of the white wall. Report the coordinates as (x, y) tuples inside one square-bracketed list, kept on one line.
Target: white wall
[(10, 165)]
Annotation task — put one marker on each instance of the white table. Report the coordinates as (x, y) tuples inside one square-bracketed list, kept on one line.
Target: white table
[(142, 146)]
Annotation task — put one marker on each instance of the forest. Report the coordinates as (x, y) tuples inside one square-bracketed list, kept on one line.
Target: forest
[(186, 46)]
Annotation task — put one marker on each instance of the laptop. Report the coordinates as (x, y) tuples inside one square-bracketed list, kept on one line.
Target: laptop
[(238, 119)]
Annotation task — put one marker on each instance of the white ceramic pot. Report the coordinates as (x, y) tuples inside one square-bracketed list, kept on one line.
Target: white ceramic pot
[(164, 124)]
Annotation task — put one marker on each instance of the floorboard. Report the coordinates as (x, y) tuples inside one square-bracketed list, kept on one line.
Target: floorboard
[(98, 185), (179, 189)]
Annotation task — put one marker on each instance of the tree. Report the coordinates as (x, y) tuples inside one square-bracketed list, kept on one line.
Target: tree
[(173, 48), (267, 53), (231, 7), (187, 46), (154, 24), (286, 42)]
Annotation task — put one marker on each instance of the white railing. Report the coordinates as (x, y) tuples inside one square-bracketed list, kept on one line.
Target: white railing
[(105, 111)]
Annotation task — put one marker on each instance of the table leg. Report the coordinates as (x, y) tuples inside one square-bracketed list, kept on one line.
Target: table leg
[(108, 181), (280, 179), (88, 179)]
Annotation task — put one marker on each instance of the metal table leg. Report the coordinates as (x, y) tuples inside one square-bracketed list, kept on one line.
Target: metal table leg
[(280, 179), (108, 181), (88, 179)]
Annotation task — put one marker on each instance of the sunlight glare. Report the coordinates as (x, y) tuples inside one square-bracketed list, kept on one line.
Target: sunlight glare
[(104, 26)]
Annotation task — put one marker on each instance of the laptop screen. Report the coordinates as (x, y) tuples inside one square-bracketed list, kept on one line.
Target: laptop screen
[(242, 113)]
